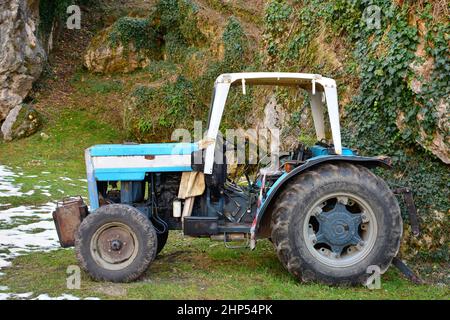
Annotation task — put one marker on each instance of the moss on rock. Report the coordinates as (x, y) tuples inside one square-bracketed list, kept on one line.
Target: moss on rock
[(22, 121)]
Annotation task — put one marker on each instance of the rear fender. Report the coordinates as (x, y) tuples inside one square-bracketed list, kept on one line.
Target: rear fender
[(264, 214)]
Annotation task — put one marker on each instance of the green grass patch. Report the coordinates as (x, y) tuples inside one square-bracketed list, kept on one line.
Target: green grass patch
[(97, 85), (161, 69), (18, 221), (36, 230), (54, 167), (90, 84)]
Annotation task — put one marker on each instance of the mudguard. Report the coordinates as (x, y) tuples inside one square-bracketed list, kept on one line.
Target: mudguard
[(369, 162)]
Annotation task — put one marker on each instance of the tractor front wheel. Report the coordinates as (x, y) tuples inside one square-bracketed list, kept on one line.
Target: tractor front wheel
[(336, 224), (116, 243)]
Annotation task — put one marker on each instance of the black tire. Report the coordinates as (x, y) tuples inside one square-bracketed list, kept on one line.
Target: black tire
[(162, 240), (298, 197), (130, 218)]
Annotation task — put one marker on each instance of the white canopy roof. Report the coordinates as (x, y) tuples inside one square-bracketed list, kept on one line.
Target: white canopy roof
[(303, 80)]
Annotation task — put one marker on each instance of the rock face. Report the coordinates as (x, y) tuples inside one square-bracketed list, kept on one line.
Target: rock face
[(21, 54), (438, 142), (276, 116), (22, 121), (103, 57)]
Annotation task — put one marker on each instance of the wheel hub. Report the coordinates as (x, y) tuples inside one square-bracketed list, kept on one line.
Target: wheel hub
[(115, 245), (338, 228)]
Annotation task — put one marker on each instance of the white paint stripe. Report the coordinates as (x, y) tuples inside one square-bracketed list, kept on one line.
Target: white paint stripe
[(140, 162)]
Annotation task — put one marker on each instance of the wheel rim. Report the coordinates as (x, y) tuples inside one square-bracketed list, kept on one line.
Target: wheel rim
[(340, 229), (114, 246)]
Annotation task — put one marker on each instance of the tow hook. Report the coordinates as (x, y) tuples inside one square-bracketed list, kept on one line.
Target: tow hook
[(403, 268), (414, 221), (411, 208)]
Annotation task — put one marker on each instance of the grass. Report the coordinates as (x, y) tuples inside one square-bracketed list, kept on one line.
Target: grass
[(18, 221), (199, 269), (93, 86)]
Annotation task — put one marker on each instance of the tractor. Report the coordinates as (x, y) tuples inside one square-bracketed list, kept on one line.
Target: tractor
[(329, 217)]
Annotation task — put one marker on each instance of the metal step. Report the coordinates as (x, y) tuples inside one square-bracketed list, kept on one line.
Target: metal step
[(231, 227)]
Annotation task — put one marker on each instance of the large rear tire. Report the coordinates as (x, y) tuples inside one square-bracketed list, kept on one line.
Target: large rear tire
[(331, 223), (116, 243)]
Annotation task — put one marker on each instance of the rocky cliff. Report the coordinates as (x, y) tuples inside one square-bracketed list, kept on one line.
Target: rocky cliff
[(21, 60)]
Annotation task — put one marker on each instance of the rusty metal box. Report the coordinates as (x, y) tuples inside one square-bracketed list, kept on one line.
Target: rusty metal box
[(67, 217)]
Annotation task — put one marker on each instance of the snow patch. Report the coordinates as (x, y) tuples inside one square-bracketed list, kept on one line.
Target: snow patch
[(64, 296), (15, 296), (26, 229), (28, 295), (7, 186), (44, 190), (21, 239)]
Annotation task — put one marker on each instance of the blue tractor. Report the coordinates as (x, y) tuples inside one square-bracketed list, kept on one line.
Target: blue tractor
[(329, 217)]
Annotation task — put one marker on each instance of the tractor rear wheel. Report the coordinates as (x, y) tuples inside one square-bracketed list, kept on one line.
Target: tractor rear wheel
[(336, 224), (116, 243)]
